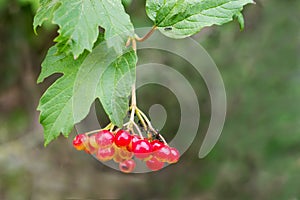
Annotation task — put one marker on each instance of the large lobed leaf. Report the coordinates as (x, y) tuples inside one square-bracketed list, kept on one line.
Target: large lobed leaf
[(183, 18), (102, 74), (79, 22)]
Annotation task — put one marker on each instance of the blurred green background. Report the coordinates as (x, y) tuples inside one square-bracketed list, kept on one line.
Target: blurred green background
[(257, 156)]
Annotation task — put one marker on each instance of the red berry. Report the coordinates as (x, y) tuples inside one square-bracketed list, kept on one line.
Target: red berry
[(154, 164), (105, 154), (122, 138), (142, 149), (80, 141), (156, 145), (104, 139), (134, 139), (174, 155), (127, 166), (163, 153)]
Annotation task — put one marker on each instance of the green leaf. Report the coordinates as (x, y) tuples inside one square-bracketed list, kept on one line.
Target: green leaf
[(126, 3), (56, 104), (183, 18), (79, 23), (102, 74), (44, 12), (111, 83)]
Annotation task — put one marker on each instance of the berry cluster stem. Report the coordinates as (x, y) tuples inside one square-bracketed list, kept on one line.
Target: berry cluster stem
[(110, 126), (133, 102), (133, 111), (147, 126), (143, 116)]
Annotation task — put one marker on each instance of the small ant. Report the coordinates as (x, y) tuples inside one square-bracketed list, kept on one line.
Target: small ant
[(168, 29)]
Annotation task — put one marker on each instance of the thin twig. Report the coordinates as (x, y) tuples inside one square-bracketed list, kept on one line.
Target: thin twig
[(151, 127), (137, 128), (142, 120), (133, 102)]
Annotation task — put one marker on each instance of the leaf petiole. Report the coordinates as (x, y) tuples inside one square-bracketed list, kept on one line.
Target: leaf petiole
[(133, 40), (148, 35)]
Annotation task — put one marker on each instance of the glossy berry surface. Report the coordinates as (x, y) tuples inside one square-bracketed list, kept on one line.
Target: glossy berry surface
[(122, 138), (163, 154), (79, 142), (134, 140), (124, 149), (174, 155), (105, 154), (142, 149), (127, 166), (156, 145), (104, 139), (154, 164)]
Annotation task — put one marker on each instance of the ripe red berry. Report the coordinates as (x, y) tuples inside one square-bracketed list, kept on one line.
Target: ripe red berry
[(105, 154), (122, 138), (154, 164), (156, 145), (142, 149), (104, 139), (127, 166), (163, 154), (174, 155), (134, 139), (79, 142)]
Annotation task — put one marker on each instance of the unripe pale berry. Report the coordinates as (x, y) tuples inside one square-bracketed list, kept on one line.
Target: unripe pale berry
[(89, 149), (104, 139), (125, 154), (117, 158), (105, 154), (93, 142)]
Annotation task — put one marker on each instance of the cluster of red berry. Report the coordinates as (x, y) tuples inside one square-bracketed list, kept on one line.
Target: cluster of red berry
[(122, 147)]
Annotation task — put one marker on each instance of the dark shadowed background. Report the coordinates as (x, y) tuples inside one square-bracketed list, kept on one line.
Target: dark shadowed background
[(257, 156)]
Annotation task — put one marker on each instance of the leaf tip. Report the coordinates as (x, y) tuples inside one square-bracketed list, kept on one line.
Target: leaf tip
[(35, 30), (240, 19), (46, 144), (47, 141), (39, 80)]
